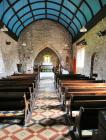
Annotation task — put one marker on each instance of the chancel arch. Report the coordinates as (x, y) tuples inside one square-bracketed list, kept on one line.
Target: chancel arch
[(40, 35), (52, 56)]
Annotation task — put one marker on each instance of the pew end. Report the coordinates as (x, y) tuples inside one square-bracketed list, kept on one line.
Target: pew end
[(86, 123), (15, 104)]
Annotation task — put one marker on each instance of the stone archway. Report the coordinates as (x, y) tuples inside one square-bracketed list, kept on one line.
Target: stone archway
[(47, 51), (40, 35)]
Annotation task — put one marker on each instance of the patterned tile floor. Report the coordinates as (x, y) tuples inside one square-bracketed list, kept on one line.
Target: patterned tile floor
[(48, 121)]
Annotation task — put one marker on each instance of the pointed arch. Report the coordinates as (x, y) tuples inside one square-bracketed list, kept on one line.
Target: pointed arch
[(49, 47)]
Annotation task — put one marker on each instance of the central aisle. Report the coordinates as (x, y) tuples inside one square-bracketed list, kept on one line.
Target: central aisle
[(50, 121)]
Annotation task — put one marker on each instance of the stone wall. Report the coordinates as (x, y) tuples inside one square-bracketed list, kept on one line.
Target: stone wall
[(95, 44), (8, 55), (40, 35)]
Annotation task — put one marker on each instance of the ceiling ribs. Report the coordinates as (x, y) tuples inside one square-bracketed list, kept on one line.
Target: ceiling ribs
[(39, 8), (77, 18), (101, 5), (31, 10), (79, 10), (75, 13), (34, 15), (100, 15), (45, 8), (60, 9), (48, 18), (89, 8), (43, 14), (15, 14), (8, 9)]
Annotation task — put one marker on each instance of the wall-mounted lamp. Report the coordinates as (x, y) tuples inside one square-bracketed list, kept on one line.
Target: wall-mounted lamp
[(101, 33), (4, 28), (83, 29)]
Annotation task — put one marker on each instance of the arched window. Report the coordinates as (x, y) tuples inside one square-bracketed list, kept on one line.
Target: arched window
[(2, 69), (47, 60), (80, 58)]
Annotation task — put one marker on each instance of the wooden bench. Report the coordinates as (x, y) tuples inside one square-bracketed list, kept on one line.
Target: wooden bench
[(28, 82), (21, 79), (102, 125), (17, 91), (87, 101), (67, 83), (20, 88), (67, 98), (87, 120), (76, 87), (11, 102), (70, 77)]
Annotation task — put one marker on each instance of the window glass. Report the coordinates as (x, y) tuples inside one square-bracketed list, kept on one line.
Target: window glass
[(80, 57)]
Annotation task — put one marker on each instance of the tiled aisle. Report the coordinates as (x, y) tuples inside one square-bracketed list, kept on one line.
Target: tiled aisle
[(48, 120)]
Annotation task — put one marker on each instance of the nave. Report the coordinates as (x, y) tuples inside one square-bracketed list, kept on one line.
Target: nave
[(68, 39), (48, 121)]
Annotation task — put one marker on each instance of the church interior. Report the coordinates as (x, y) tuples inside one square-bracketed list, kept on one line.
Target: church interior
[(52, 69)]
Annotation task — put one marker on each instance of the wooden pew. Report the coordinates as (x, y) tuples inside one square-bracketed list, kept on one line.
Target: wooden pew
[(17, 89), (66, 100), (70, 77), (20, 79), (63, 83), (87, 120), (83, 85), (14, 103), (31, 84), (80, 87), (102, 125), (67, 83), (16, 93), (87, 101), (20, 88)]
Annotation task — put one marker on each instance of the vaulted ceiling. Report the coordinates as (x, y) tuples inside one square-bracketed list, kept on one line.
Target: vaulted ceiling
[(72, 14)]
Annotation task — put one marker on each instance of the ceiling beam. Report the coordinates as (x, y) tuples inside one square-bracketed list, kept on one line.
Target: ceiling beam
[(89, 8), (101, 5), (75, 14), (39, 8), (48, 14), (61, 6), (8, 1), (46, 19), (45, 8), (99, 16), (31, 10), (78, 9)]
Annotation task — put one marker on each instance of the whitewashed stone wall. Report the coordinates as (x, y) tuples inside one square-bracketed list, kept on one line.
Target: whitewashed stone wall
[(95, 44), (8, 55)]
